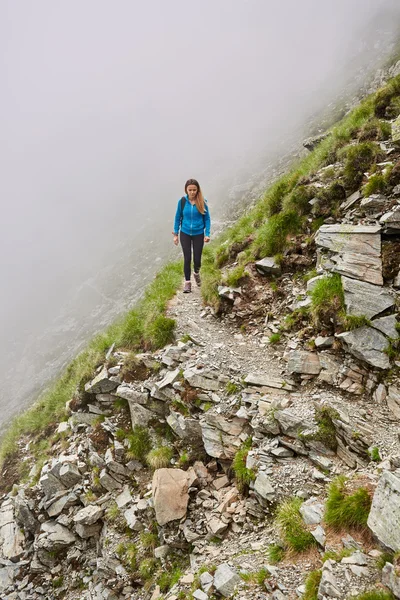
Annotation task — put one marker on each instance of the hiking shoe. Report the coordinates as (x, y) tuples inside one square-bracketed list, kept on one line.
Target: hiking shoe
[(197, 278), (187, 288)]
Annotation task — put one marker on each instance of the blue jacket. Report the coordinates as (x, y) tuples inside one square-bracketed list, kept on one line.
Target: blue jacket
[(192, 222)]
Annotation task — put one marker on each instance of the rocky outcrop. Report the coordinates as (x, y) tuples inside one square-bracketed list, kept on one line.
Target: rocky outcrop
[(384, 517)]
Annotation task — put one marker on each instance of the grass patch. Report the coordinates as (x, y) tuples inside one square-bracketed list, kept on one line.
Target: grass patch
[(256, 578), (159, 458), (375, 595), (312, 584), (147, 568), (275, 338), (139, 443), (375, 129), (271, 237), (244, 476), (351, 322), (299, 200), (326, 433), (235, 276), (275, 553), (232, 388), (384, 104), (210, 278), (327, 299), (345, 510), (376, 185), (292, 527), (167, 579), (374, 454), (328, 199), (358, 159)]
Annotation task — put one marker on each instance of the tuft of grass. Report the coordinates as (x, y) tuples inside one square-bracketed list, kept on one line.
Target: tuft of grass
[(139, 443), (127, 553), (376, 185), (235, 276), (384, 103), (160, 457), (377, 594), (374, 454), (274, 338), (275, 553), (375, 129), (358, 159), (244, 476), (326, 433), (271, 237), (167, 579), (337, 556), (345, 510), (327, 299), (147, 568), (385, 557), (257, 577), (299, 200), (210, 279), (232, 388), (355, 321), (292, 527), (149, 540), (312, 584)]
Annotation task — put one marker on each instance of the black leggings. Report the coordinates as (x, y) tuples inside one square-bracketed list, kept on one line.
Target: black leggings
[(186, 243)]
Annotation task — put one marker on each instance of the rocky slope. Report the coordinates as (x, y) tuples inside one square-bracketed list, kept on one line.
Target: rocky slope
[(233, 463)]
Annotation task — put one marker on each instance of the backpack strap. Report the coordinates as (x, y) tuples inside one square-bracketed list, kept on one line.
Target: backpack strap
[(183, 202)]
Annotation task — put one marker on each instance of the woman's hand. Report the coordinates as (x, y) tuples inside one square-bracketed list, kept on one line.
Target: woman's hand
[(206, 239), (176, 240)]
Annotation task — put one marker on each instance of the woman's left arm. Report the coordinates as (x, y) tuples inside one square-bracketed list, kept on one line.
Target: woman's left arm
[(207, 224)]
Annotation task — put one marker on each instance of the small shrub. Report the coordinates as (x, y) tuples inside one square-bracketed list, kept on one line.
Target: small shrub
[(244, 476), (376, 185), (294, 532), (275, 553), (275, 338), (159, 458), (359, 159), (344, 509), (128, 555), (149, 540), (327, 299), (139, 443), (312, 584)]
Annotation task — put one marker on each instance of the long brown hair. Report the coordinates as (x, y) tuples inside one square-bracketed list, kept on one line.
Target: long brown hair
[(199, 199)]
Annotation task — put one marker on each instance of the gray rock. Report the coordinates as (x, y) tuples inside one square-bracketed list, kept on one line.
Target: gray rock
[(393, 401), (139, 414), (88, 515), (290, 423), (355, 239), (82, 418), (124, 498), (161, 551), (364, 299), (23, 513), (311, 283), (220, 436), (6, 579), (57, 507), (386, 325), (108, 482), (183, 427), (368, 345), (169, 379), (351, 200), (266, 381), (328, 586), (131, 518), (170, 494), (330, 369), (200, 595), (88, 531), (304, 362), (199, 381), (374, 203), (380, 394), (391, 579), (54, 537), (263, 487), (12, 540), (225, 580), (391, 220), (319, 535), (314, 141), (50, 485), (216, 526), (101, 384), (312, 512), (324, 342), (206, 581), (282, 452), (268, 265), (384, 516), (69, 475), (130, 393), (357, 558), (358, 266)]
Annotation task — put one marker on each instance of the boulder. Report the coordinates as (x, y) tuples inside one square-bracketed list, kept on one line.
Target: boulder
[(101, 384), (268, 265), (304, 362), (139, 414), (185, 428), (170, 494), (367, 344), (69, 475), (130, 393), (263, 487), (199, 381), (88, 515), (225, 580), (355, 239), (312, 512), (364, 299), (221, 436), (384, 516), (358, 266), (374, 203)]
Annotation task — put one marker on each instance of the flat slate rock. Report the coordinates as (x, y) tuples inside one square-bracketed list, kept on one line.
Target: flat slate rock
[(387, 325), (384, 516), (268, 265), (365, 299), (304, 362), (265, 381), (368, 345), (358, 239)]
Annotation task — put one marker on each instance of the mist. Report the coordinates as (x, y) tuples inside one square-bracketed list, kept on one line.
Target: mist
[(107, 108)]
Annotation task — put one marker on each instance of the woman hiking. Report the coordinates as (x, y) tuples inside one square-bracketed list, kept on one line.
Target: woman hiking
[(192, 219)]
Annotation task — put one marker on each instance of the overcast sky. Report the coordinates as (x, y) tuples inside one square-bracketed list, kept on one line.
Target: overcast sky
[(106, 108)]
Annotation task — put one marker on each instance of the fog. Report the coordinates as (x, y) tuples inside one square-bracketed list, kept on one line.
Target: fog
[(106, 108)]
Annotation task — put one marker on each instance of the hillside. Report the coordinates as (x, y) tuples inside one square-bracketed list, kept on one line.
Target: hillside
[(243, 441)]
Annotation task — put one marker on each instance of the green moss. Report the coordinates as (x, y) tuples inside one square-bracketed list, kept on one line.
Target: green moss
[(244, 476), (167, 579), (291, 525), (345, 509), (147, 568), (312, 584)]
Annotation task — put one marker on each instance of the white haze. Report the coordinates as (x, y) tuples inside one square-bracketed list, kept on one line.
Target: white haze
[(106, 108)]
